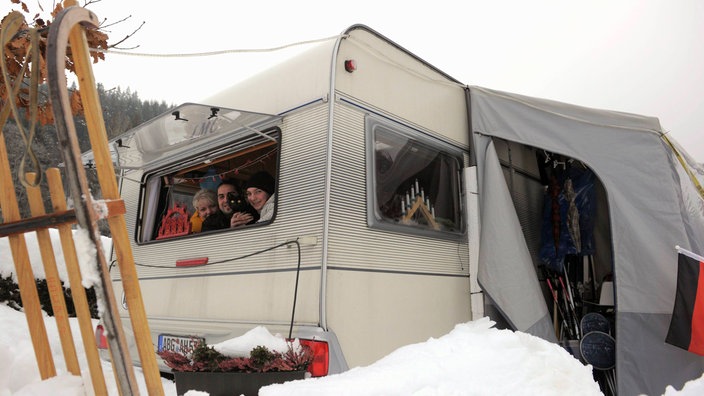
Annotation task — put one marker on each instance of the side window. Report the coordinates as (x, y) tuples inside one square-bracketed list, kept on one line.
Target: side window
[(414, 182), (203, 193)]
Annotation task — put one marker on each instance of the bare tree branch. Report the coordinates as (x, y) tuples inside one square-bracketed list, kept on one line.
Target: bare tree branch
[(126, 37), (114, 23)]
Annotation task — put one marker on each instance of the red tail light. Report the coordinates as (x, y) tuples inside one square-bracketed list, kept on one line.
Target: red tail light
[(321, 357), (100, 340)]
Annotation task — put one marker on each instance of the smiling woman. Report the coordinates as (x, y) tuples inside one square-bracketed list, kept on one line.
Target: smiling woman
[(260, 191)]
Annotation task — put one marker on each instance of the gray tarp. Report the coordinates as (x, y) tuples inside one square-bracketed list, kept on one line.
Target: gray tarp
[(651, 208), (506, 272)]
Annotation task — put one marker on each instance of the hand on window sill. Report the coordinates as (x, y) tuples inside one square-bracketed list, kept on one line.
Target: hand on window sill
[(240, 219)]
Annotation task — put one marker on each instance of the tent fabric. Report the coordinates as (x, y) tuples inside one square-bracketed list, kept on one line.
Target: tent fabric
[(651, 209), (507, 264)]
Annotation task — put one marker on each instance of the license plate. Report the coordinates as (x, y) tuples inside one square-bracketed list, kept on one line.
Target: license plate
[(180, 344)]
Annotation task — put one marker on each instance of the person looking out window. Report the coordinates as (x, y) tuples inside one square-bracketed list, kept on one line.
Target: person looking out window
[(205, 204)]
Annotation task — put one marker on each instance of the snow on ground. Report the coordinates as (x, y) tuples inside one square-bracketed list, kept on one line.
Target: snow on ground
[(473, 359), (19, 374), (7, 266)]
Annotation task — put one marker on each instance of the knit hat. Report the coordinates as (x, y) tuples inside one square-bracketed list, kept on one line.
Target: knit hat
[(261, 180)]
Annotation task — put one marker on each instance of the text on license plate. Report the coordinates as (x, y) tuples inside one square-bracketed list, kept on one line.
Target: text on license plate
[(178, 344)]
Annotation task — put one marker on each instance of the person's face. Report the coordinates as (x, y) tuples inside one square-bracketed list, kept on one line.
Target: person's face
[(222, 198), (205, 208), (257, 198)]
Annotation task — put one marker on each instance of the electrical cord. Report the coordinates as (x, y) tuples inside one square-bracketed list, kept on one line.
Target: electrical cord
[(221, 261), (212, 53), (298, 271), (295, 289)]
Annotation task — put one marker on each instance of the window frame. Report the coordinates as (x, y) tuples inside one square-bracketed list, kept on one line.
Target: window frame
[(375, 219), (204, 158)]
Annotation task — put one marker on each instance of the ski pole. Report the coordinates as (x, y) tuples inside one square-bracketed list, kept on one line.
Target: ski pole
[(559, 307), (570, 305)]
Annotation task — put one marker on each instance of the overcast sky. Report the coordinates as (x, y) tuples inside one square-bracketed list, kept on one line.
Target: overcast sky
[(637, 56)]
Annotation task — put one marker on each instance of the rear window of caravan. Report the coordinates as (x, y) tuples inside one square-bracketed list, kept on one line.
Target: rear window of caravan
[(415, 181), (201, 194)]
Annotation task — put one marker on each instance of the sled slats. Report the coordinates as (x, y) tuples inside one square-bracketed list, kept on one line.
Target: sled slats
[(68, 27), (23, 269), (118, 229), (78, 292), (56, 293)]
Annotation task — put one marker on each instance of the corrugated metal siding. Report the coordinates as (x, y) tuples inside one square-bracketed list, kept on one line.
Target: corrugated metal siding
[(352, 243), (299, 213), (522, 173), (528, 200)]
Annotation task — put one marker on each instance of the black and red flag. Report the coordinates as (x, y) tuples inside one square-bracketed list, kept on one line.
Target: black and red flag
[(687, 323)]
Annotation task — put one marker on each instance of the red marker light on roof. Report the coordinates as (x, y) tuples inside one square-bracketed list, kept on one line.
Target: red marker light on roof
[(350, 65)]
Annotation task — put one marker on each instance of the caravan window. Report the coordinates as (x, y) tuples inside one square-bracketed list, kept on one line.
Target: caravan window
[(414, 181), (167, 194)]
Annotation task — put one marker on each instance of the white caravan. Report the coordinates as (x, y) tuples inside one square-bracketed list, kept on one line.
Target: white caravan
[(398, 192), (367, 250)]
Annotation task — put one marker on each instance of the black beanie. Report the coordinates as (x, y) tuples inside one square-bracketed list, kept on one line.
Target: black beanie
[(261, 180)]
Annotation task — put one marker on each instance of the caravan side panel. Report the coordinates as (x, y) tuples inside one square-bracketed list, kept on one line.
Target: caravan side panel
[(224, 300), (384, 289)]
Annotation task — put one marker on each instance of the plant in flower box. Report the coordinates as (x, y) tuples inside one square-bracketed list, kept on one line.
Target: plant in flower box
[(215, 370)]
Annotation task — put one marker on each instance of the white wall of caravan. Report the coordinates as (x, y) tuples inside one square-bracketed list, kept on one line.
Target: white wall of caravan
[(384, 289), (255, 279), (374, 313), (249, 298), (351, 242), (400, 85), (283, 87)]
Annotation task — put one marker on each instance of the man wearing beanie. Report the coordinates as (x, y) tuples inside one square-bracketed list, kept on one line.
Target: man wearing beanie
[(228, 192)]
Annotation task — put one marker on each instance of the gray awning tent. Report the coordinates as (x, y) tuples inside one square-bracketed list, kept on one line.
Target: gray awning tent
[(653, 207)]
